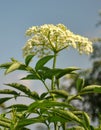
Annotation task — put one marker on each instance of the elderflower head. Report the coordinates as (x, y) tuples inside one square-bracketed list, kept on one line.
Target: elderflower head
[(50, 38)]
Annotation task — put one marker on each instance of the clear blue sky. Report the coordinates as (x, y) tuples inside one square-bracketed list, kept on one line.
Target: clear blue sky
[(80, 16)]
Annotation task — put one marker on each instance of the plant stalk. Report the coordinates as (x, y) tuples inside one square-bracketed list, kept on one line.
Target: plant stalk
[(54, 65)]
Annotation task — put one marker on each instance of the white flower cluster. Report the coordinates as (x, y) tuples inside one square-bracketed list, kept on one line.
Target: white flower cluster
[(49, 38)]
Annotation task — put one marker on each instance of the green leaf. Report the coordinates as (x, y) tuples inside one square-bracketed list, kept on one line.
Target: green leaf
[(28, 59), (86, 119), (74, 97), (8, 91), (55, 118), (79, 84), (31, 77), (43, 95), (97, 89), (4, 124), (60, 93), (5, 119), (18, 107), (2, 100), (47, 73), (24, 89), (6, 65), (13, 67), (29, 69), (43, 61), (34, 95), (65, 71), (30, 121), (66, 114), (20, 87), (47, 104), (91, 89)]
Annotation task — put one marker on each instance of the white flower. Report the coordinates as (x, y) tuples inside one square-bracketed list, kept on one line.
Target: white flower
[(50, 38)]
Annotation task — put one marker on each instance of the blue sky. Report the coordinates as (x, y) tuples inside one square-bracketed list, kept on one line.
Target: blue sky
[(80, 16)]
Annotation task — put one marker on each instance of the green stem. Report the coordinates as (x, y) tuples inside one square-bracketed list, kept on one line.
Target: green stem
[(45, 85), (53, 78), (64, 126), (56, 126), (53, 84), (43, 82)]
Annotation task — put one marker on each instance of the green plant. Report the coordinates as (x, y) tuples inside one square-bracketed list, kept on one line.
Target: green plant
[(91, 75), (48, 108)]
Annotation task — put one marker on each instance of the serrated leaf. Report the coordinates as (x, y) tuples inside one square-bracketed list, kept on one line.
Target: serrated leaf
[(73, 97), (4, 124), (55, 118), (60, 93), (52, 72), (45, 73), (20, 87), (12, 66), (28, 59), (34, 95), (5, 119), (79, 84), (2, 100), (66, 71), (47, 104), (9, 91), (6, 65), (43, 61), (84, 116), (30, 121), (91, 89), (31, 77), (24, 89), (18, 107), (86, 119), (66, 114)]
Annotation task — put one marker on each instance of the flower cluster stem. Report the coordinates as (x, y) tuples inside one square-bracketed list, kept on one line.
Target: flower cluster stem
[(53, 78)]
